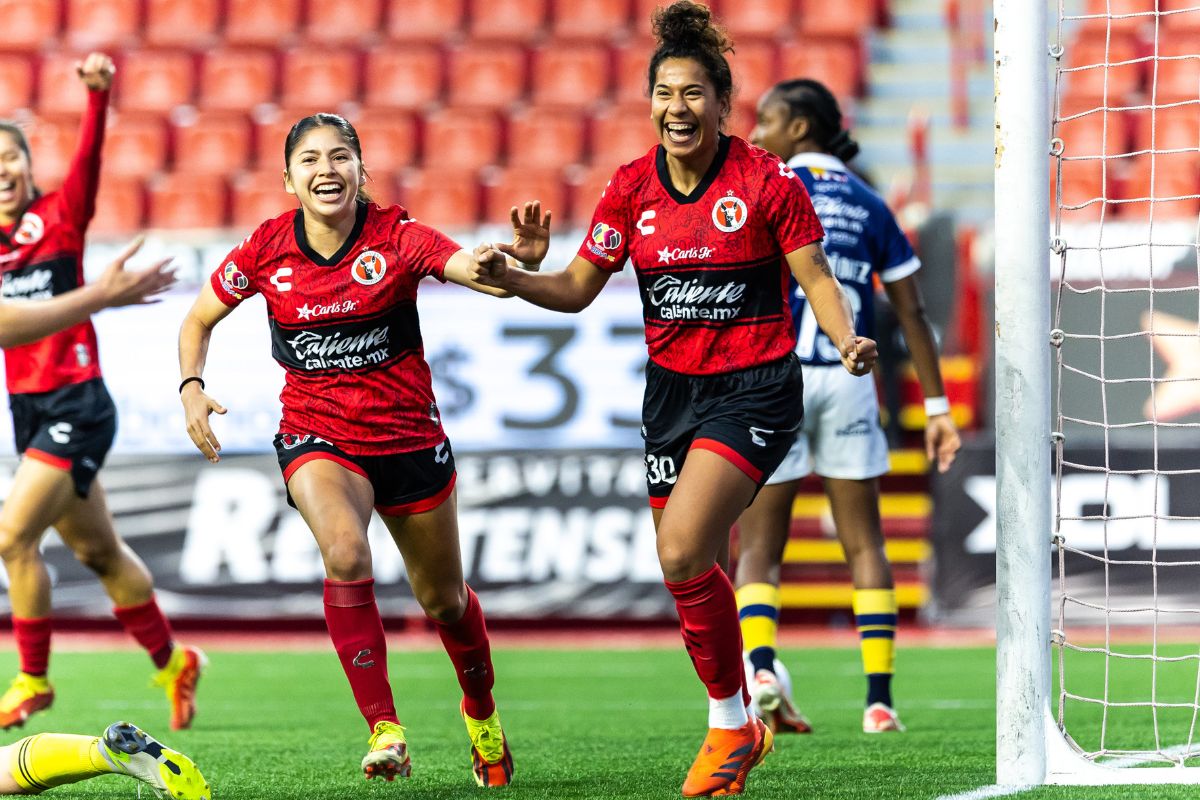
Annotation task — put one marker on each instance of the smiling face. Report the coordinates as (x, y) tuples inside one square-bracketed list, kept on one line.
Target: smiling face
[(686, 110), (16, 178), (324, 173)]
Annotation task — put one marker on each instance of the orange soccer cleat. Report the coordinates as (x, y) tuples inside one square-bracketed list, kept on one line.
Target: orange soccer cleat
[(179, 677), (27, 695), (726, 758)]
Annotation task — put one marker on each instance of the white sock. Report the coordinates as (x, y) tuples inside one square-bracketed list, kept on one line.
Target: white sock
[(728, 713)]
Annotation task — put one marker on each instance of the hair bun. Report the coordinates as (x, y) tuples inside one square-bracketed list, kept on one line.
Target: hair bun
[(842, 146), (685, 23)]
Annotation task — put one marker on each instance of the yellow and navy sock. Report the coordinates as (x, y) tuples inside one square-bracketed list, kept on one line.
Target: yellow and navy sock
[(758, 612), (41, 762), (875, 616)]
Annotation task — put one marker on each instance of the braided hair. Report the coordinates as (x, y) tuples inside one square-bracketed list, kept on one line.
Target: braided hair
[(812, 100)]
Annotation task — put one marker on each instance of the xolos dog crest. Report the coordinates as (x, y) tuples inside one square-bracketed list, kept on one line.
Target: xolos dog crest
[(369, 268)]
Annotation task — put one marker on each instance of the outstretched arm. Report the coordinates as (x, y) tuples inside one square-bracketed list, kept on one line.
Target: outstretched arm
[(811, 270), (83, 177), (194, 336), (27, 321)]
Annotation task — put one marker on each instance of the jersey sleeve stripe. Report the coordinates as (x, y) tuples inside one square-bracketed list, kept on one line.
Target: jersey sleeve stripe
[(893, 274)]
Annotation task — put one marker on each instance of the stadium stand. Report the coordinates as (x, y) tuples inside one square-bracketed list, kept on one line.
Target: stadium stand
[(261, 23), (135, 146), (407, 77), (103, 23), (16, 82), (154, 82), (30, 24), (192, 24)]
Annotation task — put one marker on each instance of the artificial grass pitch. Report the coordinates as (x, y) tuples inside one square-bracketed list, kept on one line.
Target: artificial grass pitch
[(583, 723)]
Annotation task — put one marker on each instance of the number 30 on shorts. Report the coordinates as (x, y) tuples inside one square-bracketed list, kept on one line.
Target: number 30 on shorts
[(660, 469)]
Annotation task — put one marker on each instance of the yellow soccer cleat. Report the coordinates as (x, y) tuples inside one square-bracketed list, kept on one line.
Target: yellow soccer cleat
[(131, 751), (491, 761), (179, 677), (388, 756), (26, 695)]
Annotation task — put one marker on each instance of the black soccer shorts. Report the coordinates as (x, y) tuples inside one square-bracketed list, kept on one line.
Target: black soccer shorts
[(71, 428)]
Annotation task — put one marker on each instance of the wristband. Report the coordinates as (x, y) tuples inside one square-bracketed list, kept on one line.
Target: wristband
[(195, 378), (936, 406)]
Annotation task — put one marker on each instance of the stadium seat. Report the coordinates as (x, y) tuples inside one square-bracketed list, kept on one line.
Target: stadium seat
[(319, 77), (594, 20), (460, 138), (486, 77), (403, 77), (135, 146), (154, 81), (853, 18), (1172, 128), (835, 62), (267, 23), (258, 197), (587, 186), (59, 89), (120, 207), (388, 138), (505, 188), (741, 120), (571, 75), (631, 62), (548, 138), (343, 23), (1177, 79), (1084, 181), (642, 12), (1089, 55), (506, 20), (270, 134), (237, 80), (1095, 132), (1186, 16), (1128, 16), (187, 200), (16, 83), (383, 187), (754, 70), (182, 23), (52, 141), (447, 199), (30, 24), (424, 20), (1175, 175), (763, 18), (212, 141), (102, 23), (620, 135)]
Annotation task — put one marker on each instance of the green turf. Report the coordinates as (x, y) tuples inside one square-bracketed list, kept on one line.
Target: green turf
[(582, 724)]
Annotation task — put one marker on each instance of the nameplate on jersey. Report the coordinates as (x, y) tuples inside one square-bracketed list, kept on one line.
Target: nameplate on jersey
[(40, 279), (358, 344), (712, 294)]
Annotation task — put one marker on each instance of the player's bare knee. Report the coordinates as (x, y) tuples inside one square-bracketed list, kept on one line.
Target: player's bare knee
[(348, 560), (681, 563), (100, 558), (17, 545), (443, 604)]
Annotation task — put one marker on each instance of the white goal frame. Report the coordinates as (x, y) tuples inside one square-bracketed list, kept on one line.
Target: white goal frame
[(1030, 748)]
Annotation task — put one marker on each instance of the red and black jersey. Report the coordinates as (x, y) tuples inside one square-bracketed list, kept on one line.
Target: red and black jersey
[(345, 328), (710, 264), (41, 255)]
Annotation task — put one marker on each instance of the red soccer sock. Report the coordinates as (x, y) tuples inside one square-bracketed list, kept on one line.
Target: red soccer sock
[(466, 642), (708, 618), (357, 633), (33, 644), (147, 625)]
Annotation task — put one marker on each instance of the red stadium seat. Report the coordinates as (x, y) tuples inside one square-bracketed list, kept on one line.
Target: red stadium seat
[(461, 138), (135, 146), (1124, 16), (835, 62), (30, 24), (486, 77), (267, 23), (59, 89), (1172, 128), (621, 134), (631, 63), (642, 12), (343, 23), (754, 69), (102, 23), (210, 141), (16, 83), (506, 188), (1175, 175), (587, 187), (187, 200), (383, 188), (507, 20), (763, 18), (851, 18), (403, 77), (237, 80), (120, 207), (52, 142), (423, 20), (270, 134), (1177, 79), (1084, 181), (388, 138), (1094, 133), (1093, 54), (155, 81), (1185, 18), (596, 20), (570, 75), (258, 197), (447, 199), (182, 23), (547, 138), (319, 77), (741, 120)]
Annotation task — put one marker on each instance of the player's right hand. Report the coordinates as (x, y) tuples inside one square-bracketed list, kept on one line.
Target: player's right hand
[(197, 406), (96, 71), (489, 266), (531, 234), (120, 287)]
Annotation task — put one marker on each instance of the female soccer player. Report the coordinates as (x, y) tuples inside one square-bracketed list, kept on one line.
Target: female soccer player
[(65, 423), (46, 760), (360, 427), (799, 120), (713, 226)]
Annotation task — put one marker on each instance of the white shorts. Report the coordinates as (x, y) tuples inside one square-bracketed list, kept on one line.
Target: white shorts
[(841, 436)]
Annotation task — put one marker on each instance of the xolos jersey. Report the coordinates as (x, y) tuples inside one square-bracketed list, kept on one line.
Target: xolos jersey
[(710, 264), (345, 328)]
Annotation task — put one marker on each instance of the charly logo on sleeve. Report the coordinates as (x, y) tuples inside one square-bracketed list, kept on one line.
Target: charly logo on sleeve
[(729, 214), (31, 229), (233, 281), (604, 238), (369, 268)]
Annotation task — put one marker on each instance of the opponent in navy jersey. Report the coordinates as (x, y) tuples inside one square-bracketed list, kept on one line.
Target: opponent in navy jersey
[(64, 420), (360, 427), (713, 226), (841, 438)]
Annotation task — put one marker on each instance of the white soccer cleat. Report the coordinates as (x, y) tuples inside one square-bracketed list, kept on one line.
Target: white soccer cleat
[(170, 774), (770, 701), (879, 718)]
